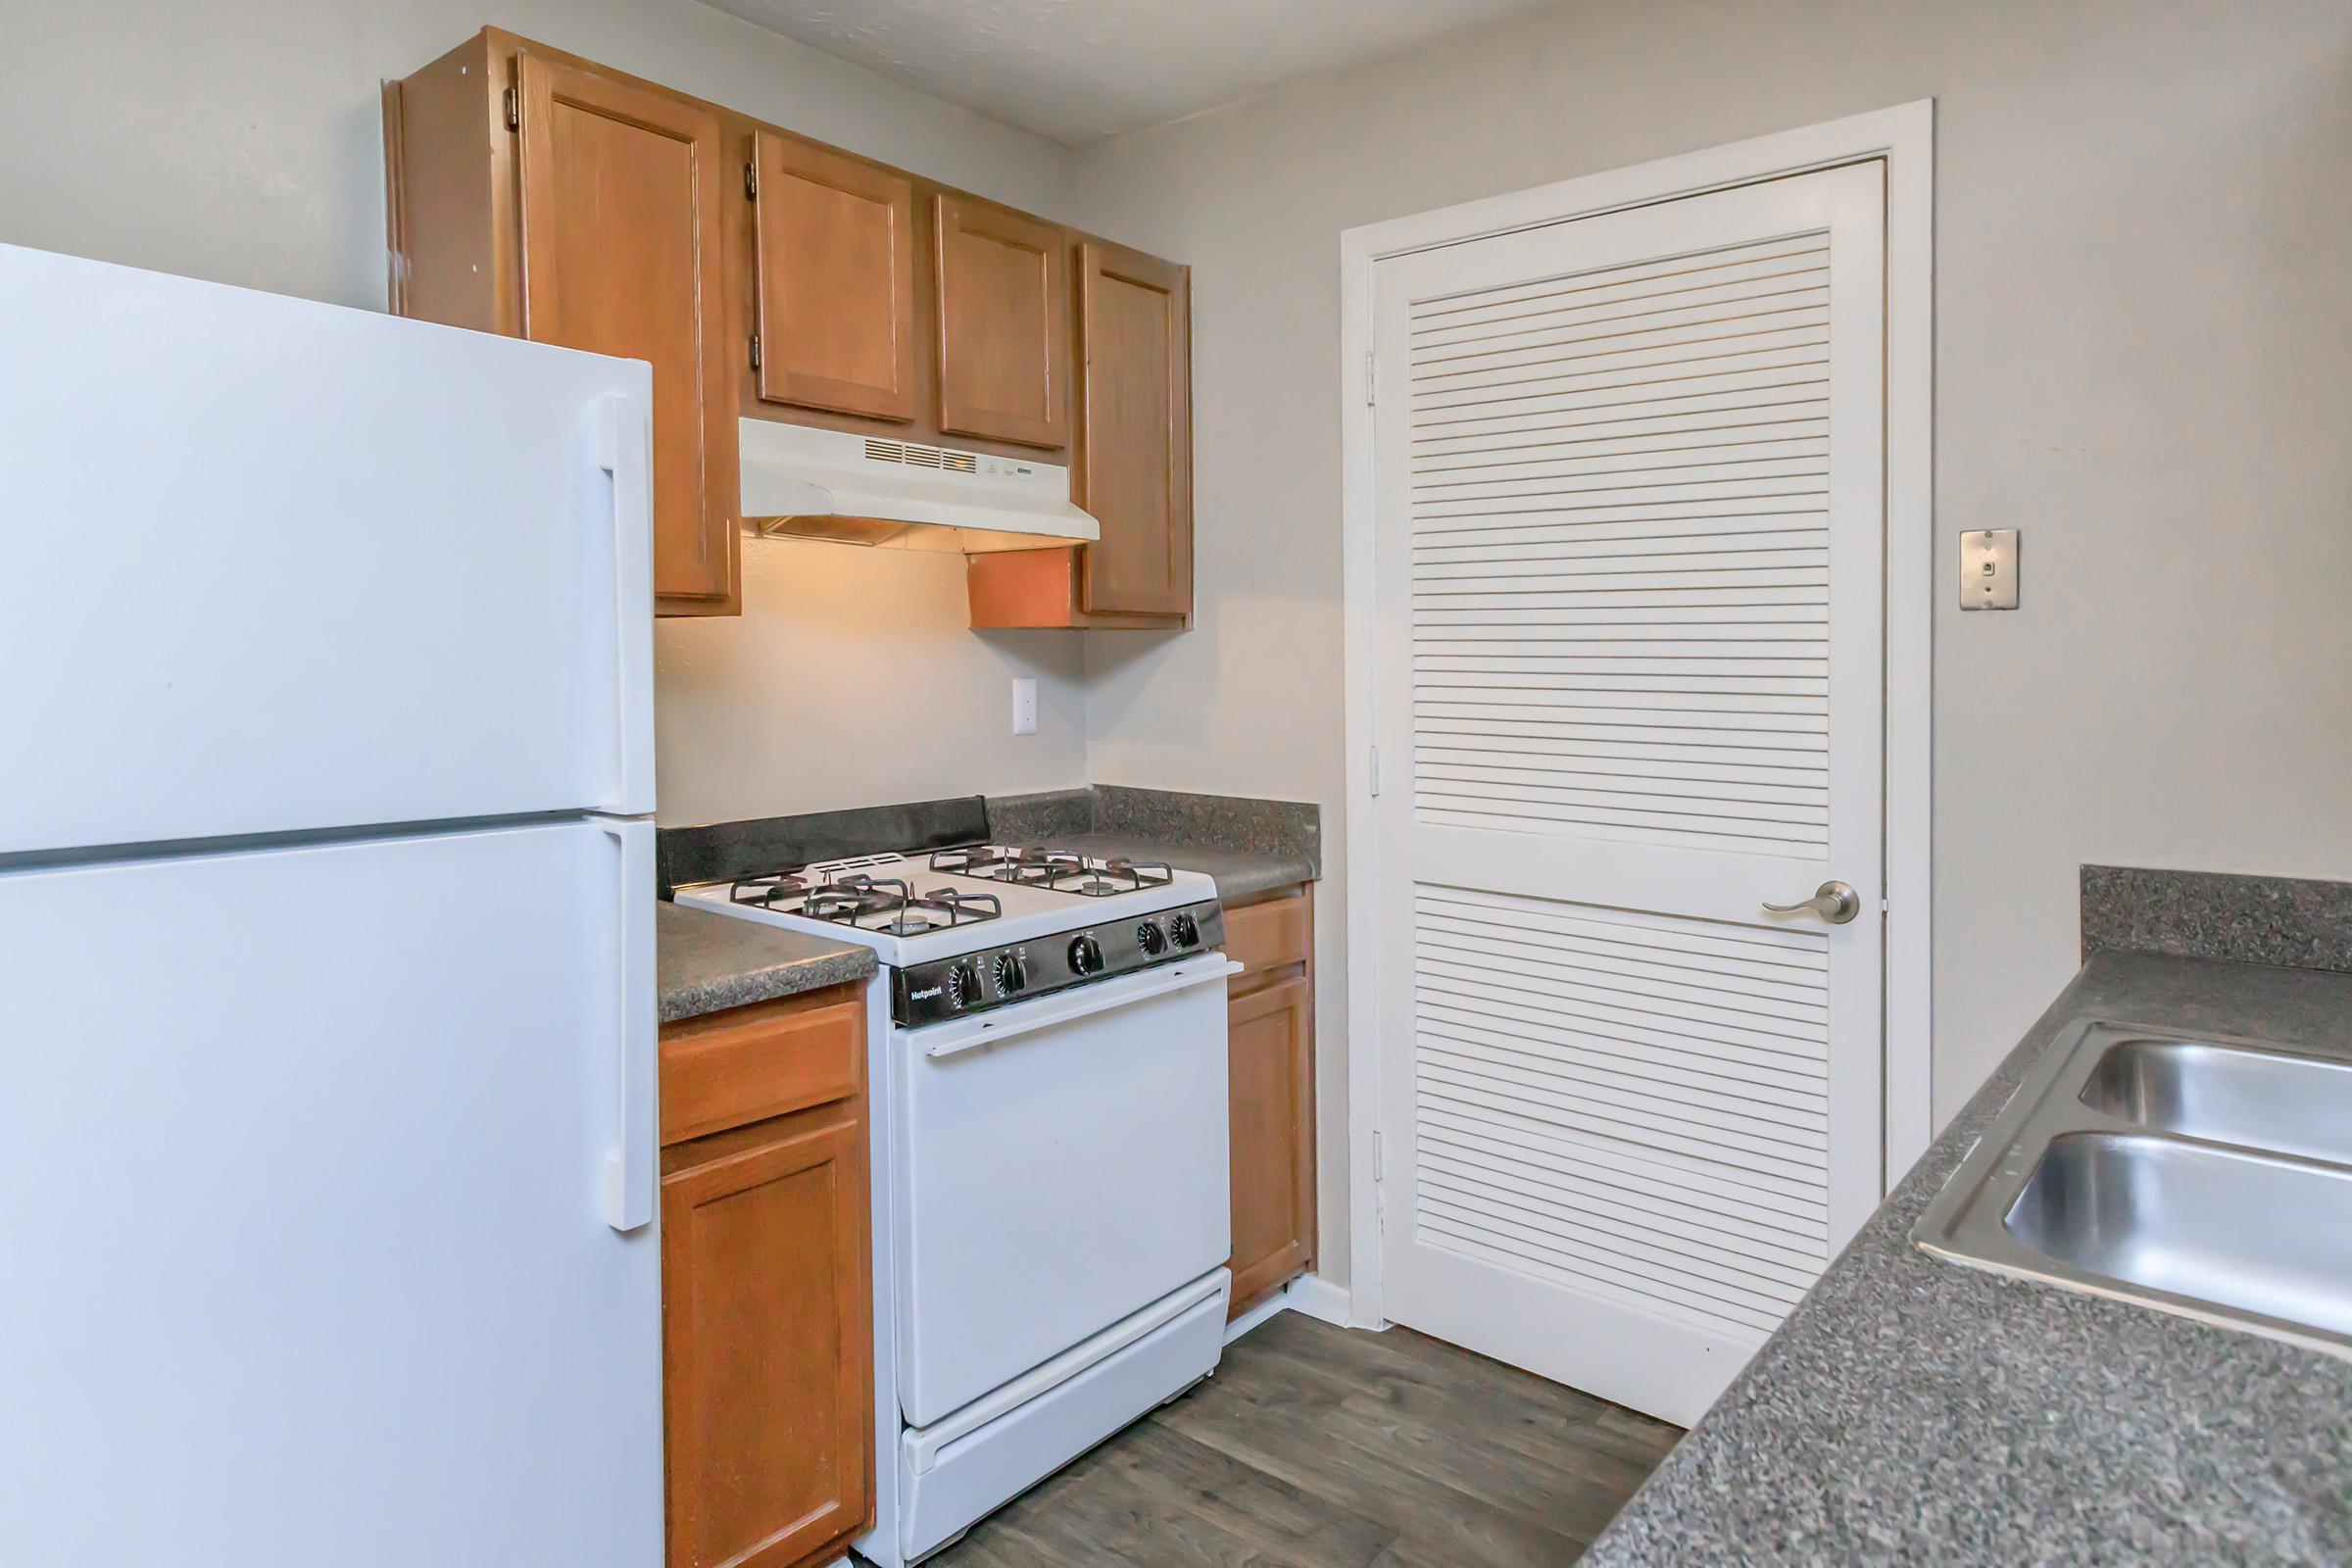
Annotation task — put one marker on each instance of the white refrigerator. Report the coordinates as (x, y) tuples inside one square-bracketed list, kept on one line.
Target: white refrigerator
[(326, 971)]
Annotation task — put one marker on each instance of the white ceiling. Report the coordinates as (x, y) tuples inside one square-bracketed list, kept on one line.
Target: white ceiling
[(1078, 71)]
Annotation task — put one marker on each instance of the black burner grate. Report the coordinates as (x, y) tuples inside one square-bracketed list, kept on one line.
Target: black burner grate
[(1061, 870), (877, 904)]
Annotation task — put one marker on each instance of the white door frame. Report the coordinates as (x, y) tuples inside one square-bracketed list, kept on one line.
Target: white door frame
[(1905, 137)]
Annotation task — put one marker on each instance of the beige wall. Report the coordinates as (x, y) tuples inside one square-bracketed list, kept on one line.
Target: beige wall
[(800, 706), (240, 141), (2144, 326)]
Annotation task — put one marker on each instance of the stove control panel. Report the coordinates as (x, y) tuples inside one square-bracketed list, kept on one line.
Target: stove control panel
[(994, 977)]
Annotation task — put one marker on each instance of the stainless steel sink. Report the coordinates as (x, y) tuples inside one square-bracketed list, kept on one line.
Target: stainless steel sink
[(2228, 1093), (2202, 1176), (2251, 1233)]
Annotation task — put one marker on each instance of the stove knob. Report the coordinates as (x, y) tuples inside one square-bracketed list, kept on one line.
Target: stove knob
[(1185, 930), (1086, 956), (963, 986), (1011, 973), (1152, 939)]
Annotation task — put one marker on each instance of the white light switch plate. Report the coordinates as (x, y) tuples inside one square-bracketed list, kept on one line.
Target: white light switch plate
[(1989, 568), (1025, 705)]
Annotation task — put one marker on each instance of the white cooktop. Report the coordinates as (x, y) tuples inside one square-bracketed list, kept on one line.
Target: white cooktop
[(1029, 911)]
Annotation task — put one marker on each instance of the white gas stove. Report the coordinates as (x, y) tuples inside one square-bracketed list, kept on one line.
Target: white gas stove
[(1049, 1156), (969, 930)]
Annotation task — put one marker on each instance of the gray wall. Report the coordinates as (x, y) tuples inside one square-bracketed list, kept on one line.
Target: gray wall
[(2144, 320), (2144, 347), (240, 140)]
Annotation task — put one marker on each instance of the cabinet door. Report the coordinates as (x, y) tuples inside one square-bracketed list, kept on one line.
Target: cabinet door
[(621, 255), (1269, 1049), (1004, 325), (1133, 468), (836, 281), (767, 1344)]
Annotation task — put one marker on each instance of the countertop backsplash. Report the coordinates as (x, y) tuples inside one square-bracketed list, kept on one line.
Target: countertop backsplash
[(2292, 922)]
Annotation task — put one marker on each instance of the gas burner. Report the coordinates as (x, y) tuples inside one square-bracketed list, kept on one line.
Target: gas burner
[(833, 904), (939, 910), (852, 899), (1034, 867), (1057, 870), (1100, 879), (886, 905)]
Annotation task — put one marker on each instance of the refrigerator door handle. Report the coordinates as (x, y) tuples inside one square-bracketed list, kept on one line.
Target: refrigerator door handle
[(623, 447), (628, 1185)]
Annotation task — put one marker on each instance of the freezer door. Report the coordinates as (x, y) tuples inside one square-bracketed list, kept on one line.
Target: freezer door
[(306, 1159), (275, 566)]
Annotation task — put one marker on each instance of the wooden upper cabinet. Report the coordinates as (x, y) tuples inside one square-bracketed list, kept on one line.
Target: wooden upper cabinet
[(835, 280), (1003, 308), (540, 196), (537, 194), (1134, 459), (621, 255)]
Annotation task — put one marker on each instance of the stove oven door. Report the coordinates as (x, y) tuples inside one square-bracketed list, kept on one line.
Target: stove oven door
[(1062, 1165)]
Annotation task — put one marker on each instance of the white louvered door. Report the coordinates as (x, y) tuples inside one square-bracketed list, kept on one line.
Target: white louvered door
[(1627, 687)]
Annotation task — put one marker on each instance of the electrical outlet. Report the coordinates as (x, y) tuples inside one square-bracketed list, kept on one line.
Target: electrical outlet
[(1989, 568), (1025, 705)]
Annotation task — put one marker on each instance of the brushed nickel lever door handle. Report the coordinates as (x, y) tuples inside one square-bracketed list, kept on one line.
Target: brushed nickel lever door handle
[(1832, 902)]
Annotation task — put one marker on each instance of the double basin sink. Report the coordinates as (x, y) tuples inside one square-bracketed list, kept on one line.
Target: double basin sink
[(2198, 1175)]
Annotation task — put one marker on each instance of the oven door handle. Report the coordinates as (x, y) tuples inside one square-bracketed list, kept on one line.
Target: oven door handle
[(946, 1040)]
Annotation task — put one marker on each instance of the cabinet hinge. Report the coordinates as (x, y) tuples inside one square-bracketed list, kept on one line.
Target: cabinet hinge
[(750, 180), (1376, 772), (514, 110), (1380, 1170), (1371, 380), (755, 351)]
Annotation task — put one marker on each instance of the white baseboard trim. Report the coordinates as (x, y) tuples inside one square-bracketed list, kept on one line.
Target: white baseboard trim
[(1319, 1298), (1316, 1298), (1278, 1302)]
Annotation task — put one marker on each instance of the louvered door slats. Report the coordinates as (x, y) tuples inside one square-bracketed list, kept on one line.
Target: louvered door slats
[(1617, 1048), (1773, 1256), (1433, 311), (1763, 1200), (1661, 376), (1684, 521)]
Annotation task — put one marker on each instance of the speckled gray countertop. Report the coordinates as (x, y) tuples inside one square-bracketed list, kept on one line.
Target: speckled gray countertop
[(1913, 1411), (710, 962)]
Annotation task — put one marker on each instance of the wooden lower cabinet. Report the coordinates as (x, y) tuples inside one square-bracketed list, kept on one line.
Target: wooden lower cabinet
[(1270, 1049), (768, 1331)]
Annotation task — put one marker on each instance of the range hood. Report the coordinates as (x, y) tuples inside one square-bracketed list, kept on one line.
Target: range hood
[(803, 483)]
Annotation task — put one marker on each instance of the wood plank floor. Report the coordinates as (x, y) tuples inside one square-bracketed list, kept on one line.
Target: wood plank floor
[(1317, 1447)]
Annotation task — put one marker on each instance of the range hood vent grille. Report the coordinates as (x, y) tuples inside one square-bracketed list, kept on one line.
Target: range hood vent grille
[(915, 454)]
